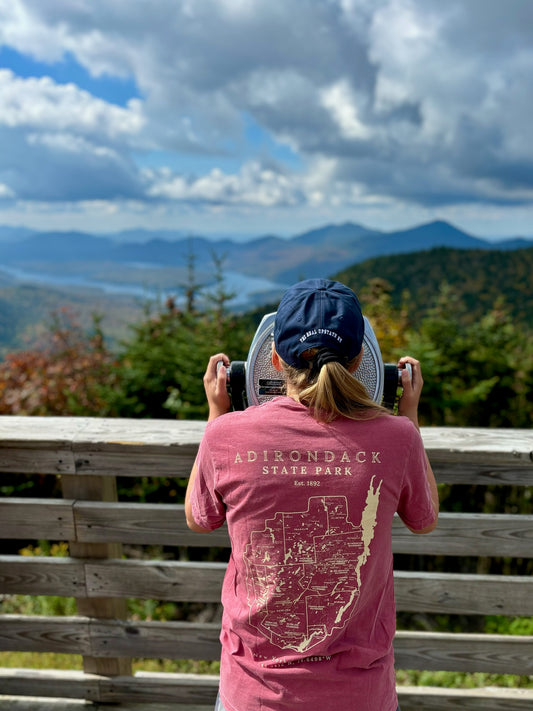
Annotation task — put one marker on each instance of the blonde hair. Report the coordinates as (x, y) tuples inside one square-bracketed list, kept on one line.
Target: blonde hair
[(333, 391)]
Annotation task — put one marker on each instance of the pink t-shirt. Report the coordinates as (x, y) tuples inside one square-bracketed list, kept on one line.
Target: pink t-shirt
[(309, 614)]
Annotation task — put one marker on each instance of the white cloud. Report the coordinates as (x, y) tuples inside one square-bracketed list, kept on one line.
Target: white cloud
[(405, 102), (42, 104), (340, 101), (255, 185), (60, 143), (21, 29)]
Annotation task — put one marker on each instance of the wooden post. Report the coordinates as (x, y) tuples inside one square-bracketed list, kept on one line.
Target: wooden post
[(97, 488)]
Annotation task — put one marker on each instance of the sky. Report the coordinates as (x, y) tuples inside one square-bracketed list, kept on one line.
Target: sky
[(250, 117)]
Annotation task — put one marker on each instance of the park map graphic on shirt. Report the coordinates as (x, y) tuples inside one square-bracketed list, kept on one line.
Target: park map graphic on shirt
[(304, 570)]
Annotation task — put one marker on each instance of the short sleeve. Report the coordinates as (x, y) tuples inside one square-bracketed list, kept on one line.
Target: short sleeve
[(415, 505), (207, 507)]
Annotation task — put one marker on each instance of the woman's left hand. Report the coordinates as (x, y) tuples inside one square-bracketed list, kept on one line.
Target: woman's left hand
[(215, 386), (412, 383)]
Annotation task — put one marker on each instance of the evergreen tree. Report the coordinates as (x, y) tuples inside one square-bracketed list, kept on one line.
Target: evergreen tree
[(476, 374), (162, 365)]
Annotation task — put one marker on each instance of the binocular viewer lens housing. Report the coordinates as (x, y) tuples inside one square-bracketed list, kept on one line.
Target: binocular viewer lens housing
[(255, 380)]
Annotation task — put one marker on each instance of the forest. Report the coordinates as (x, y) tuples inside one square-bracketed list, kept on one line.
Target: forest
[(465, 314), (466, 317)]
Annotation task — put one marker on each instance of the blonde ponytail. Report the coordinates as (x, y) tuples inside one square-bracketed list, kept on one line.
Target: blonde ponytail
[(332, 392)]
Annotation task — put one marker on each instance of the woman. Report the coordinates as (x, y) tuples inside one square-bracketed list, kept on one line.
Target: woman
[(309, 483)]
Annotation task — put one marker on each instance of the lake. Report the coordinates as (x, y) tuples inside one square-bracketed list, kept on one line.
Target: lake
[(249, 291)]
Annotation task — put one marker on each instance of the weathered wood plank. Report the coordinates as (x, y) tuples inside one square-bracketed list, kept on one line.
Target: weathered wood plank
[(30, 575), (33, 703), (490, 474), (142, 524), (162, 640), (477, 444), (138, 523), (148, 687), (424, 592), (37, 445), (109, 638), (32, 458), (108, 446), (198, 691), (424, 698), (143, 688), (202, 582), (448, 593), (466, 534), (101, 522), (129, 459), (50, 433), (499, 654), (63, 635), (103, 446), (457, 534), (472, 444), (480, 456), (49, 683), (159, 580), (508, 535), (36, 519)]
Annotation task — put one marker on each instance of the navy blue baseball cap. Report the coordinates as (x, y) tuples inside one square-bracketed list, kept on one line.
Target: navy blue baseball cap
[(318, 313)]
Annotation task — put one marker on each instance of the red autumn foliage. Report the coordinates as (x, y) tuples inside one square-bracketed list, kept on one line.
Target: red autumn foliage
[(69, 374)]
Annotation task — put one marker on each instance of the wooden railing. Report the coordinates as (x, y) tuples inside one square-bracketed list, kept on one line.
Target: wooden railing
[(88, 455)]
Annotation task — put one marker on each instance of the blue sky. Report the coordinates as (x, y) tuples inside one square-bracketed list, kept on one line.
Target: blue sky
[(246, 117), (65, 70)]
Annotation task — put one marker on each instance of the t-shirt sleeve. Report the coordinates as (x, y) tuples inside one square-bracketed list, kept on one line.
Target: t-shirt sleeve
[(415, 506), (207, 507)]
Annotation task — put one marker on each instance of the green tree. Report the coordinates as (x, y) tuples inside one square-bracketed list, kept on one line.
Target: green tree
[(475, 374), (162, 365), (389, 322)]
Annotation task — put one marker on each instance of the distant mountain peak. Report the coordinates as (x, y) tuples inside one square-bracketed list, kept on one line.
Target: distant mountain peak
[(319, 252)]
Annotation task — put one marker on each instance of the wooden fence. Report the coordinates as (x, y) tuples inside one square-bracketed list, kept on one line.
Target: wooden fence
[(88, 454)]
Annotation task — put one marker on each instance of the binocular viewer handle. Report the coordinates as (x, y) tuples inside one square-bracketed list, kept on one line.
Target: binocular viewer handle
[(236, 383)]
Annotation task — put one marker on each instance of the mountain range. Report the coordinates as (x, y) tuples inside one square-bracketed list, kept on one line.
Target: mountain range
[(319, 252)]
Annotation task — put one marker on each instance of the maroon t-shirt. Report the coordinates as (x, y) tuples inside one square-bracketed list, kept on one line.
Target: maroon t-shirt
[(309, 614)]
